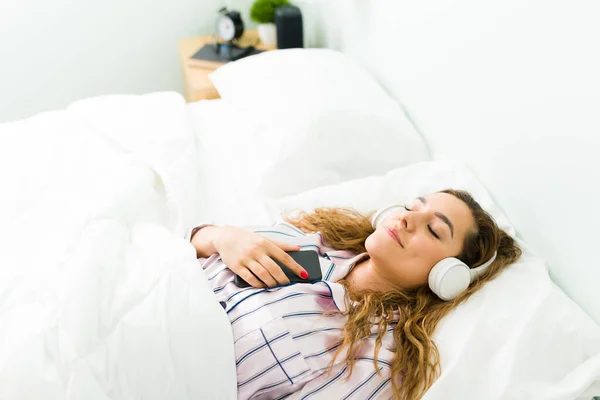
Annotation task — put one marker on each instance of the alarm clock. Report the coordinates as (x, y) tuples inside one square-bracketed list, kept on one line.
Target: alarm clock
[(230, 26)]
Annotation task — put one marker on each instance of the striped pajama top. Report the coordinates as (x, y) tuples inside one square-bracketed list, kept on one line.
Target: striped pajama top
[(283, 343)]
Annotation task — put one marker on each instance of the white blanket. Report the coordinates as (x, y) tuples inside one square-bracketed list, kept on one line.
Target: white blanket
[(100, 296)]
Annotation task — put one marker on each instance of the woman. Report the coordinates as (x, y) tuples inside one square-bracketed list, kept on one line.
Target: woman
[(365, 330)]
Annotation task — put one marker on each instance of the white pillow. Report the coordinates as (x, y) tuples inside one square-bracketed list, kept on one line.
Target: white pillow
[(398, 186), (295, 76), (313, 117), (520, 337)]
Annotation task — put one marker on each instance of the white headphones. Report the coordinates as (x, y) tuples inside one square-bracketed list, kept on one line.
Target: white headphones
[(450, 276)]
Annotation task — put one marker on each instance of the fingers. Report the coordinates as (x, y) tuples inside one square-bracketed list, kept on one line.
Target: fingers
[(275, 270), (250, 278), (277, 252), (262, 273), (286, 246)]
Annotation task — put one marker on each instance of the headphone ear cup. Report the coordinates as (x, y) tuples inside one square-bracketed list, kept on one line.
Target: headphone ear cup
[(382, 214), (449, 278)]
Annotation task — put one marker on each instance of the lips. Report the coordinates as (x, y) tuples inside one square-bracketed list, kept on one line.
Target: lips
[(394, 236)]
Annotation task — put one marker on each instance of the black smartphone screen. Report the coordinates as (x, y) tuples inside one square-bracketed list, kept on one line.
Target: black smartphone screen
[(308, 259)]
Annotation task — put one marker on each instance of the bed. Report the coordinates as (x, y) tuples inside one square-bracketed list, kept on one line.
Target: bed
[(101, 296)]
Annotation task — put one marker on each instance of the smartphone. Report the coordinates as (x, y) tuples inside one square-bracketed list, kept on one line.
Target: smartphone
[(308, 259)]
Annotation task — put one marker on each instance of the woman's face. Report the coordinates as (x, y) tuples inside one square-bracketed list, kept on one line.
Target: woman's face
[(408, 243)]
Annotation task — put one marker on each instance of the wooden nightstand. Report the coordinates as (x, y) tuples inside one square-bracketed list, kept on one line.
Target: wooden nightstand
[(196, 84)]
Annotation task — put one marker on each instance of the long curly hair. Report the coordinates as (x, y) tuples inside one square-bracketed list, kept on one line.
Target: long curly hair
[(416, 364)]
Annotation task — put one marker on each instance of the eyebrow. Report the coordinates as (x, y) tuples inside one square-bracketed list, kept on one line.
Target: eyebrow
[(440, 216)]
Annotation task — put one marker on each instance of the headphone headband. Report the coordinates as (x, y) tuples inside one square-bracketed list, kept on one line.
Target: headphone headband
[(478, 271)]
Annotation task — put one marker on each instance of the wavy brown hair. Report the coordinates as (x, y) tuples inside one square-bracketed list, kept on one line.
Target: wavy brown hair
[(416, 364)]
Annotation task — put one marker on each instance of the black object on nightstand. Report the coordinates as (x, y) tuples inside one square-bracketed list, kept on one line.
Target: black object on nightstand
[(224, 52), (288, 20)]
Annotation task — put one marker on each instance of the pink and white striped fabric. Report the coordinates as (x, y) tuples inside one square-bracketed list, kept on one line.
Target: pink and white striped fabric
[(284, 344)]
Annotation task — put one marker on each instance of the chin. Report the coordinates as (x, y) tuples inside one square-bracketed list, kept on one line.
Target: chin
[(380, 247), (369, 243)]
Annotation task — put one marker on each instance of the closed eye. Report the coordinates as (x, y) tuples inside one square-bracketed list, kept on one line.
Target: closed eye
[(435, 235), (433, 232)]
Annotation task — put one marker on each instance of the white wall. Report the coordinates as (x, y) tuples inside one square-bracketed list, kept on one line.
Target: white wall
[(53, 52)]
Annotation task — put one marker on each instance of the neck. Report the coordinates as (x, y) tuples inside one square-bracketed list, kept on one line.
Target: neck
[(366, 276)]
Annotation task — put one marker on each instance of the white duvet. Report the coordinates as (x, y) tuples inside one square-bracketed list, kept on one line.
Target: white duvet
[(100, 295)]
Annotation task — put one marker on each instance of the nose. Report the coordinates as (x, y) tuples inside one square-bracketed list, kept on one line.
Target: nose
[(406, 222), (412, 220)]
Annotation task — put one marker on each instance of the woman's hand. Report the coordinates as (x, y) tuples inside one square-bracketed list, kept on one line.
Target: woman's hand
[(251, 255)]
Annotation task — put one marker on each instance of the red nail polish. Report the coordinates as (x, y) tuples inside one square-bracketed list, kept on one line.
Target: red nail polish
[(304, 275)]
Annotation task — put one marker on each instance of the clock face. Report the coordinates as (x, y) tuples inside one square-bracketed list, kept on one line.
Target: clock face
[(226, 28)]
